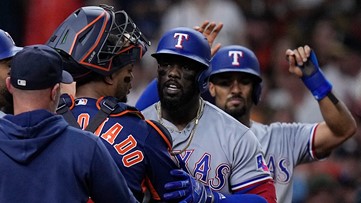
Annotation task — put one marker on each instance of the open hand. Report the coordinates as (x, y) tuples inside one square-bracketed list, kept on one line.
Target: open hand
[(210, 30)]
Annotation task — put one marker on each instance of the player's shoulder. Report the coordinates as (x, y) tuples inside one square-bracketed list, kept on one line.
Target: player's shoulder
[(151, 116), (115, 108), (160, 132), (80, 139), (79, 133), (279, 125), (281, 129), (217, 116), (217, 120), (150, 112), (212, 110)]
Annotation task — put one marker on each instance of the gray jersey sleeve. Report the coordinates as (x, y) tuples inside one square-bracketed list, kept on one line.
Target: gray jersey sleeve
[(249, 163), (285, 145), (292, 140)]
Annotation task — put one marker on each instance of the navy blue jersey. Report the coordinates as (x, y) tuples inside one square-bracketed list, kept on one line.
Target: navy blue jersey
[(140, 148)]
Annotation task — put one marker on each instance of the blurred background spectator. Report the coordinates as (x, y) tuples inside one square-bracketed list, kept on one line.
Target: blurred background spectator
[(268, 27)]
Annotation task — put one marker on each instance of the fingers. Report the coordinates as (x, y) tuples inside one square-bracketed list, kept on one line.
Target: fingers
[(215, 49), (175, 195), (298, 56), (218, 28), (301, 55), (179, 173), (177, 185), (209, 28), (213, 29), (293, 68), (296, 59), (202, 27)]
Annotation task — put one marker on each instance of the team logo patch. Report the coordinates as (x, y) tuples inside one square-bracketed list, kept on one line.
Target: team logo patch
[(21, 82), (81, 101), (261, 163)]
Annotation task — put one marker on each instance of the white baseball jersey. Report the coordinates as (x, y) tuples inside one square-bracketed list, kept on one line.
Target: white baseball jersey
[(222, 154), (285, 145)]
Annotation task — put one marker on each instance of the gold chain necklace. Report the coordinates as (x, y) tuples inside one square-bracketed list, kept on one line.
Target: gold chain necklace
[(196, 121)]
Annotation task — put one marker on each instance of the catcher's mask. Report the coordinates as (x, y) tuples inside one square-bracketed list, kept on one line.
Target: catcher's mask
[(99, 39)]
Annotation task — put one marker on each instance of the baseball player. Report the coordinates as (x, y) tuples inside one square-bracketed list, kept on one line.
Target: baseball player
[(235, 84), (207, 143), (43, 159), (100, 47), (7, 50)]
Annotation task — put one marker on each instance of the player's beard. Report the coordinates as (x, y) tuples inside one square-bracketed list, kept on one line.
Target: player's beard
[(237, 111), (121, 96), (6, 101), (124, 99), (4, 95), (179, 106), (123, 89), (3, 91)]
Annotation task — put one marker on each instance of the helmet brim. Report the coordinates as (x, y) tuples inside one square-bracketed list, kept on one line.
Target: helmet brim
[(10, 53), (249, 71), (165, 52)]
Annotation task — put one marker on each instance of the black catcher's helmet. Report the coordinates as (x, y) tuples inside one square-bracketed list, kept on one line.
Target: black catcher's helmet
[(99, 39)]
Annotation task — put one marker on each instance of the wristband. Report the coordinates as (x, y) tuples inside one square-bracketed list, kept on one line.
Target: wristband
[(316, 82), (333, 98)]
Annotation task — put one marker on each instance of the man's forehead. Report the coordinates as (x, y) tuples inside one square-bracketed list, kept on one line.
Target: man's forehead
[(175, 58), (180, 60)]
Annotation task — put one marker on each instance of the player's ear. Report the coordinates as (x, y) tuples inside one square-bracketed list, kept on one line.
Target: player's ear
[(212, 90), (8, 85), (55, 92), (109, 79)]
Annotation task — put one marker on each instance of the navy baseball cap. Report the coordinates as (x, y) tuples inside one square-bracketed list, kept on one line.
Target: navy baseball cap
[(38, 67)]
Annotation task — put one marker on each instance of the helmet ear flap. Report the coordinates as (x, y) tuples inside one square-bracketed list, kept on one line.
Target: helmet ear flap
[(203, 79), (256, 93)]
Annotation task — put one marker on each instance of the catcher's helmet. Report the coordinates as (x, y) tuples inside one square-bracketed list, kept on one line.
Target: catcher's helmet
[(236, 58), (188, 43), (99, 39), (7, 46)]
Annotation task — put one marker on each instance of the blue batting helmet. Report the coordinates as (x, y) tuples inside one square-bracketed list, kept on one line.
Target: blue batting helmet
[(99, 39), (7, 46), (236, 58), (188, 43)]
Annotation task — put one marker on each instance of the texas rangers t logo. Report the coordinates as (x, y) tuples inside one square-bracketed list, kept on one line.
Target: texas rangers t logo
[(181, 37), (236, 55)]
